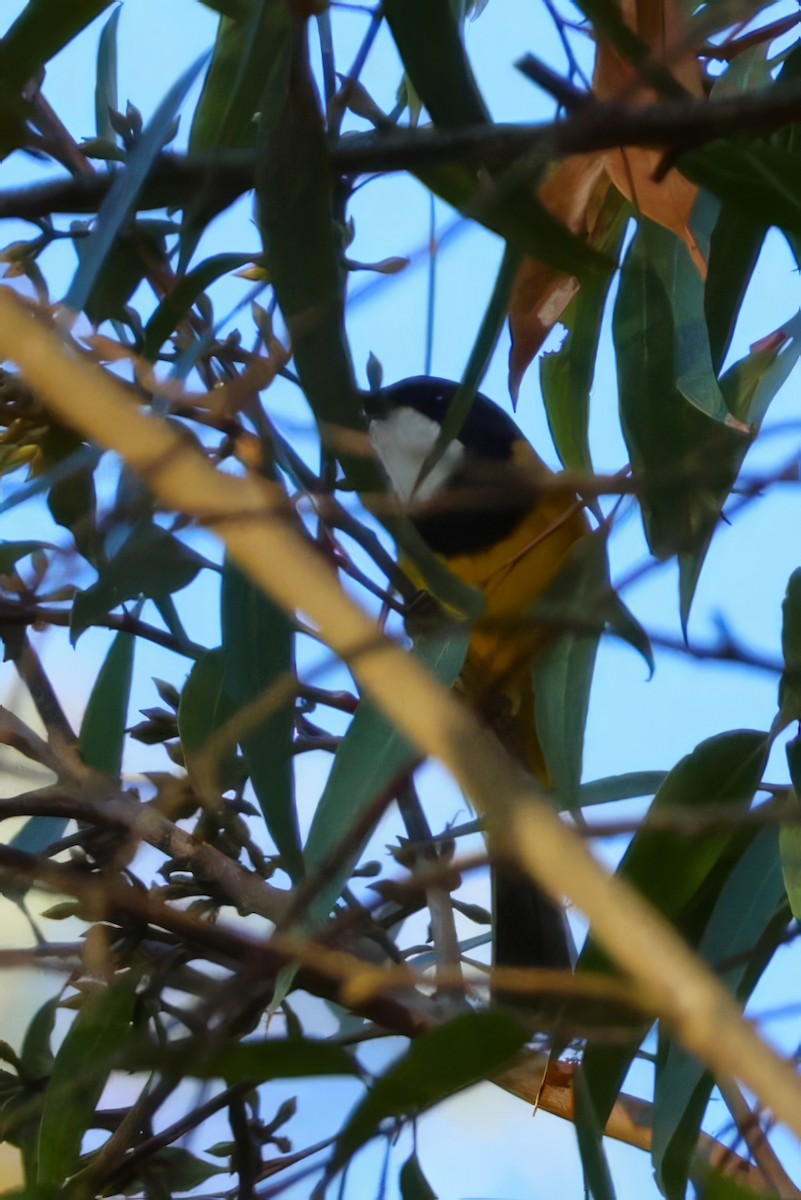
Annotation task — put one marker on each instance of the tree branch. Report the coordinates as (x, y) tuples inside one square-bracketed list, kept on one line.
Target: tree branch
[(18, 613), (630, 1121), (91, 799), (676, 125)]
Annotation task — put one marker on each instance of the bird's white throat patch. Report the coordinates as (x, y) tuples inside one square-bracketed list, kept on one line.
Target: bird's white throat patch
[(402, 441)]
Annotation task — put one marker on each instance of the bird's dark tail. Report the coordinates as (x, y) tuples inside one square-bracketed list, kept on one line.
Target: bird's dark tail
[(530, 930)]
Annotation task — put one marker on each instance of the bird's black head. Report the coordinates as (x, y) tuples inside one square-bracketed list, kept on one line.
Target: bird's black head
[(465, 501), (487, 431)]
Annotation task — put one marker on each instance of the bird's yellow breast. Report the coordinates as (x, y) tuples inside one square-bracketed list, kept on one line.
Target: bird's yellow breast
[(512, 575)]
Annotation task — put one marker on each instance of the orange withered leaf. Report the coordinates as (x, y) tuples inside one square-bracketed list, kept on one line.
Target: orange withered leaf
[(575, 189)]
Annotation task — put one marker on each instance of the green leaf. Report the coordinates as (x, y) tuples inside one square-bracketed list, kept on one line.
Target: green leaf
[(243, 1062), (753, 382), (749, 71), (695, 378), (667, 867), (72, 501), (735, 935), (734, 249), (231, 98), (661, 429), (127, 262), (178, 1170), (566, 375), (106, 78), (36, 1054), (581, 596), (413, 1183), (687, 461), (35, 836), (562, 679), (429, 42), (258, 647), (151, 563), (749, 387), (102, 735), (589, 1135), (621, 787), (294, 190), (436, 1065), (177, 303), (712, 1185), (82, 1065), (168, 612), (756, 178), (670, 869), (236, 10), (206, 705), (121, 197), (39, 32), (370, 758), (247, 76), (790, 682), (790, 834)]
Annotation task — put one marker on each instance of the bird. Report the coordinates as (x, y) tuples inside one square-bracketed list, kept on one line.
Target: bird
[(485, 512)]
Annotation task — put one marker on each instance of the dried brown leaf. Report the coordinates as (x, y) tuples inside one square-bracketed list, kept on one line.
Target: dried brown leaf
[(668, 199), (573, 192)]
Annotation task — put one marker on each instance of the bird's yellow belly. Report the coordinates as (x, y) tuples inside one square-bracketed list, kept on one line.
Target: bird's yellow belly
[(512, 576)]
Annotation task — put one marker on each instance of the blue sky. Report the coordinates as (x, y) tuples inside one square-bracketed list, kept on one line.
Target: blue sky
[(484, 1143)]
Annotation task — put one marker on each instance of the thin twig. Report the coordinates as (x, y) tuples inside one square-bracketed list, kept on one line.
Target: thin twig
[(23, 613), (33, 675), (766, 33), (756, 1140), (561, 24), (571, 98), (191, 1120), (438, 897)]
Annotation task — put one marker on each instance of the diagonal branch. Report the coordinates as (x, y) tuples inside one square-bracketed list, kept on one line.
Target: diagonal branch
[(265, 539)]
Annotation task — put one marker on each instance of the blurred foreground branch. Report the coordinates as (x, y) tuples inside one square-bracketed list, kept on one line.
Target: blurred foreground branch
[(265, 539)]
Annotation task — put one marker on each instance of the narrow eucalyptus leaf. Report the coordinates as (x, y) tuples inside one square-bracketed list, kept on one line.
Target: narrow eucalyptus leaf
[(742, 915), (106, 78), (413, 1183), (370, 758), (258, 647), (790, 682), (80, 1072), (671, 869), (105, 718), (123, 193), (151, 563)]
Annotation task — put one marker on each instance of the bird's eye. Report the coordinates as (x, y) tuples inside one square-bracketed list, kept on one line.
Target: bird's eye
[(375, 406)]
